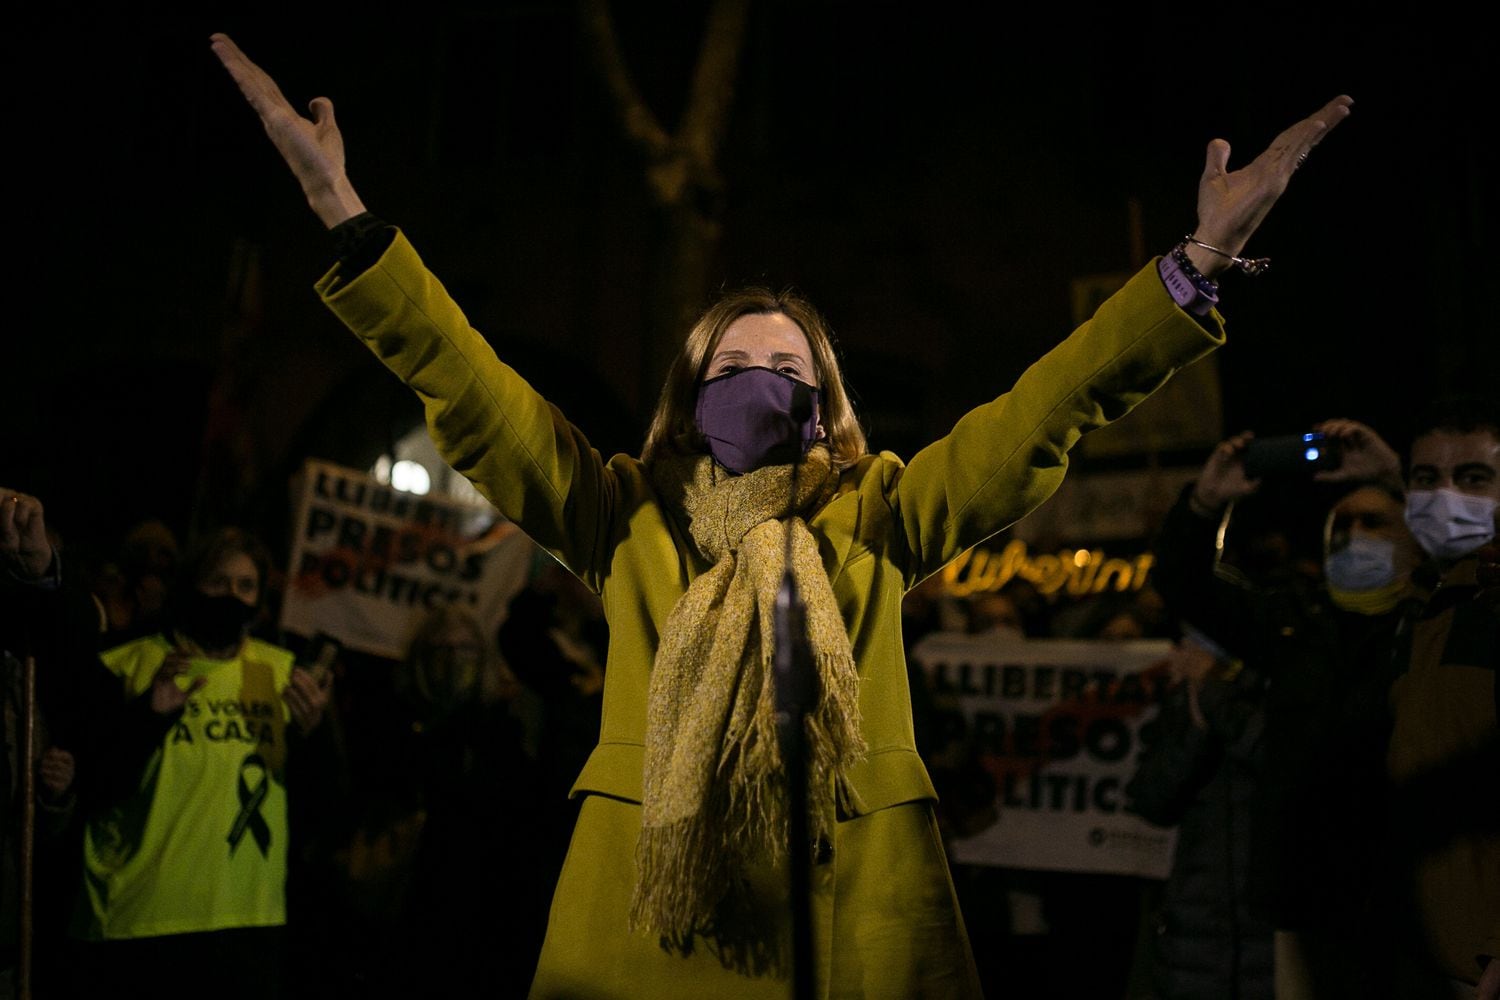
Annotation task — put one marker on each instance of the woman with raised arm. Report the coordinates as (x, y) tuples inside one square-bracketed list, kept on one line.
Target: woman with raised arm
[(674, 884)]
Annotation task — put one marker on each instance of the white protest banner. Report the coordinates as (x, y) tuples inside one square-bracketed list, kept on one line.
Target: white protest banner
[(1058, 725), (369, 561)]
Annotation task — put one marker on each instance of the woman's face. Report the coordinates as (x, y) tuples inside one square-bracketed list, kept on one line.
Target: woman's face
[(764, 340), (234, 575)]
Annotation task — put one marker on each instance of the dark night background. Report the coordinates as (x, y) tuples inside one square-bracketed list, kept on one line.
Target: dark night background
[(932, 175)]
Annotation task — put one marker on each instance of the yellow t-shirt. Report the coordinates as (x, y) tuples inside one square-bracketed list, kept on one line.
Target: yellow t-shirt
[(202, 844)]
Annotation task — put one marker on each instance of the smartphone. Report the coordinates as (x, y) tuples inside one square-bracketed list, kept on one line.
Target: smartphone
[(1292, 455), (319, 656)]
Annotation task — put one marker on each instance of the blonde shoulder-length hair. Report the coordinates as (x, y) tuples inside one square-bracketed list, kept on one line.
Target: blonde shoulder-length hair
[(674, 428)]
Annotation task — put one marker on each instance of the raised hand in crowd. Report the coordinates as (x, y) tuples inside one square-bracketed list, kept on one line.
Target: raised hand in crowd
[(1366, 458), (1191, 664), (167, 696), (56, 771), (25, 551), (1223, 477), (307, 698)]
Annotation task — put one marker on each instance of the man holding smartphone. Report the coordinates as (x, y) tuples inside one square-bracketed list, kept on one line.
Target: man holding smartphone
[(1281, 760), (1436, 674)]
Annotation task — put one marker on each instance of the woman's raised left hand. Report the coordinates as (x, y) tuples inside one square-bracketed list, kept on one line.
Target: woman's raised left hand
[(1232, 203)]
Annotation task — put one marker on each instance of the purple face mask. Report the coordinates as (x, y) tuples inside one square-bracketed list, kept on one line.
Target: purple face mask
[(755, 417)]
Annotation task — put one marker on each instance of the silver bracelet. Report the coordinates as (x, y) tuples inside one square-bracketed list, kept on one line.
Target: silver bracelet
[(1249, 265)]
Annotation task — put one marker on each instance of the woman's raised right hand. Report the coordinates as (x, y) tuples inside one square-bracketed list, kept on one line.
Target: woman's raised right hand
[(314, 148)]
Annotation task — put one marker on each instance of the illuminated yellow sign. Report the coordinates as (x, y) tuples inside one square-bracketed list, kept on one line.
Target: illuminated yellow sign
[(1077, 572)]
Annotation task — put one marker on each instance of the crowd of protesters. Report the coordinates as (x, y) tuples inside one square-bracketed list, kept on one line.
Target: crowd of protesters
[(1326, 749)]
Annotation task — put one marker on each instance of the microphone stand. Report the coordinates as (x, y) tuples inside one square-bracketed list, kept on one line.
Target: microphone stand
[(796, 691)]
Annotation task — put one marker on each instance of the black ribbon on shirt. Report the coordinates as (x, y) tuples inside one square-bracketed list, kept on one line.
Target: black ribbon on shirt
[(251, 800)]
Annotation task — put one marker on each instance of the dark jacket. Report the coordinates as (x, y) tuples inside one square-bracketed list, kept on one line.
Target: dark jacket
[(1443, 758), (1210, 942), (1291, 767)]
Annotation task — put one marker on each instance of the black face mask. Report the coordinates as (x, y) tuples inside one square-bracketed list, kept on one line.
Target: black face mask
[(215, 622)]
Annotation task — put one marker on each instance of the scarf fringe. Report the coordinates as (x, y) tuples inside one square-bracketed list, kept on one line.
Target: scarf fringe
[(688, 867), (688, 877)]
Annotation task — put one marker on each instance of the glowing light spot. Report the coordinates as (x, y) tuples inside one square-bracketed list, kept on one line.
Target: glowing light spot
[(409, 477)]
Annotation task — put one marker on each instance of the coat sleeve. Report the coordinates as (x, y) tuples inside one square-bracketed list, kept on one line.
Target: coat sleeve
[(1004, 458), (1215, 600), (487, 422)]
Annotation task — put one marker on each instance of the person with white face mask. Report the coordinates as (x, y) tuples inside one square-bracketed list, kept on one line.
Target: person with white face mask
[(1444, 749), (1272, 751), (1368, 553), (1454, 502)]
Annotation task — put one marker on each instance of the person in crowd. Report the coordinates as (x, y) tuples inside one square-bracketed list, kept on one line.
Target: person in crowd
[(30, 574), (432, 888), (555, 638), (673, 884), (185, 853), (1267, 753), (1198, 774), (996, 613), (134, 589), (1113, 615), (1445, 742), (476, 906), (49, 616), (1084, 909)]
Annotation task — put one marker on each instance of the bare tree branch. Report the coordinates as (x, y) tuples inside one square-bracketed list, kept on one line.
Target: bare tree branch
[(640, 125), (675, 164), (680, 169), (707, 117)]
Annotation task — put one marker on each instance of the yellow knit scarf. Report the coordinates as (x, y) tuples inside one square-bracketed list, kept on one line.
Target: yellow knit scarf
[(714, 798)]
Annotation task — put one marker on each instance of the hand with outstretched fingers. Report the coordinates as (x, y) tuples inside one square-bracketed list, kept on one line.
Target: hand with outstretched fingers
[(1233, 203), (1366, 456), (312, 147)]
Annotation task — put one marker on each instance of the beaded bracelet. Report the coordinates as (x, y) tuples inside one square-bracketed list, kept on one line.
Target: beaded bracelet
[(1206, 285), (1187, 286)]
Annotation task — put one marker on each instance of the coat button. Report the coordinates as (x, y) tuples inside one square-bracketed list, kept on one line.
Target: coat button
[(822, 851)]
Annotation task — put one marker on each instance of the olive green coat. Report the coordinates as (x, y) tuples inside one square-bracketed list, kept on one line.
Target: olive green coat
[(883, 928)]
